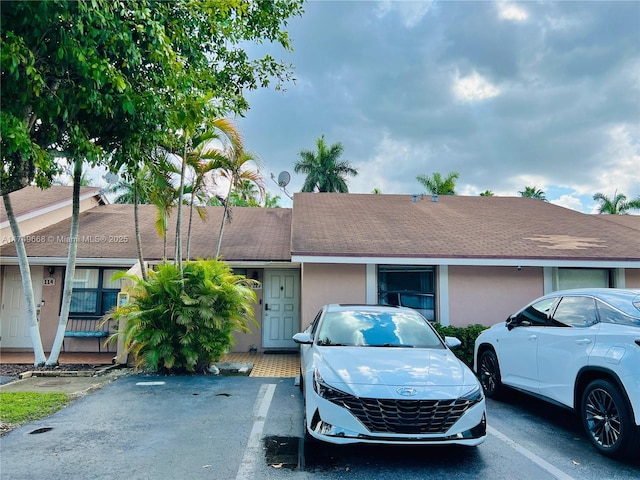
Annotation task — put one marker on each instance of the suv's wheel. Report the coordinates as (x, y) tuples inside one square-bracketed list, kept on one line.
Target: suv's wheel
[(489, 372), (607, 419)]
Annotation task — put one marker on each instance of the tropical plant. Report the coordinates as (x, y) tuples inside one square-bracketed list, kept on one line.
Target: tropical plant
[(376, 191), (436, 185), (533, 192), (618, 205), (487, 193), (324, 169), (184, 321)]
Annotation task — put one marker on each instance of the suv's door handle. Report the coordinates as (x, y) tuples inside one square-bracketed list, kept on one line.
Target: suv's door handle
[(583, 341)]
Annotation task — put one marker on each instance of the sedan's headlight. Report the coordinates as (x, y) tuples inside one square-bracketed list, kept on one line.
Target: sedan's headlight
[(324, 390), (474, 395), (321, 387)]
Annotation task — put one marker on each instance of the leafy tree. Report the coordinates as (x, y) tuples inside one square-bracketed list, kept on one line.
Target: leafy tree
[(324, 169), (84, 78), (183, 322), (533, 192), (376, 191), (487, 193), (618, 205), (437, 185)]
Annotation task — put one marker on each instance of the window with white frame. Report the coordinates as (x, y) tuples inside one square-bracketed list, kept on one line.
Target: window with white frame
[(94, 291), (408, 286), (568, 278)]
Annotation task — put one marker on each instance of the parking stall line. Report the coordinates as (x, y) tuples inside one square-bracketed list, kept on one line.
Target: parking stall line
[(252, 452), (556, 472)]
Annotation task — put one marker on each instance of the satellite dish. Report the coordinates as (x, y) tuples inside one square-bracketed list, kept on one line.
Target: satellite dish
[(110, 178), (284, 178)]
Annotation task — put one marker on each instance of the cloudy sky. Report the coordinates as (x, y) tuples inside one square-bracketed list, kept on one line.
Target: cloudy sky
[(508, 94)]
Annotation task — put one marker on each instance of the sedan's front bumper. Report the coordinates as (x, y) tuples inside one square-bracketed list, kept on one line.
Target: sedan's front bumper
[(332, 423)]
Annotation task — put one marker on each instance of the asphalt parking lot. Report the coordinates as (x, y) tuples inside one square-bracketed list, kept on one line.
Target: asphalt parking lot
[(191, 427)]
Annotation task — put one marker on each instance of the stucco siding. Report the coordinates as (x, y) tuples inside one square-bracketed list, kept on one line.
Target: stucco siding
[(488, 295), (330, 283)]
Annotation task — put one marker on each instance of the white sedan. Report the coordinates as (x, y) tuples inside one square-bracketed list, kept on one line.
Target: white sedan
[(381, 374)]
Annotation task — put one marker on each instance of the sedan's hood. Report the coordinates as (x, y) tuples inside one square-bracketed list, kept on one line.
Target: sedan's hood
[(363, 367)]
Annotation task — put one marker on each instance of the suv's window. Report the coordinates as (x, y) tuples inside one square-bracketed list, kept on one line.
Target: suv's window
[(609, 314), (537, 313), (575, 312)]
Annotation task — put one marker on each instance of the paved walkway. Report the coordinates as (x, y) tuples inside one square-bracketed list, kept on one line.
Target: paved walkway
[(264, 364)]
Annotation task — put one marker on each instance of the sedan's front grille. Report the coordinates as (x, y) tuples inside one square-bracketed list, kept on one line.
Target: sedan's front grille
[(402, 416)]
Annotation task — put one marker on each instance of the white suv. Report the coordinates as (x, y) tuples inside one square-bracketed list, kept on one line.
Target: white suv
[(577, 348)]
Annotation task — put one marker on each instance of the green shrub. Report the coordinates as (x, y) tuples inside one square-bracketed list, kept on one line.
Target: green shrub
[(467, 335), (183, 323)]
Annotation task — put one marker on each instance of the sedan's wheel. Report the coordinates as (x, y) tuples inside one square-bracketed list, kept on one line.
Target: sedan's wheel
[(607, 420), (489, 372)]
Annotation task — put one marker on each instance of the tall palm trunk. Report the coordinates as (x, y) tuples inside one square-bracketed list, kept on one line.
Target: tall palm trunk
[(224, 217), (189, 229), (27, 286), (183, 167), (71, 266), (136, 219)]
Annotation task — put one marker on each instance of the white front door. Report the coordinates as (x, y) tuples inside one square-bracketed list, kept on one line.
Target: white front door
[(13, 316), (281, 299)]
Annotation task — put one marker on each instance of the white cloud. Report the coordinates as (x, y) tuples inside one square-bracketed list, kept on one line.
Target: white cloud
[(473, 88), (511, 11), (568, 201)]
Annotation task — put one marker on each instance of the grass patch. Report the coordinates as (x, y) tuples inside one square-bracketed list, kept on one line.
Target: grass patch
[(24, 407)]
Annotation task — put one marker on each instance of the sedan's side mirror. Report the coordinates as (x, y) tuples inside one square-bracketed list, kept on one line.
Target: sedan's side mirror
[(452, 342), (303, 338)]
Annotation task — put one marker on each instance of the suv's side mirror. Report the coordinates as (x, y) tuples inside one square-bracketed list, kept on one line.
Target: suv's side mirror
[(512, 322)]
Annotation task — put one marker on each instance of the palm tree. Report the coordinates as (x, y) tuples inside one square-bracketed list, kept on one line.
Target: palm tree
[(325, 172), (616, 206), (235, 169), (133, 191), (271, 201), (487, 193), (376, 191), (437, 185), (533, 192), (248, 193)]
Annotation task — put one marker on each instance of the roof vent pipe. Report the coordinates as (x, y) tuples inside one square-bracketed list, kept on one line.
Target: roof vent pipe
[(434, 197), (414, 198)]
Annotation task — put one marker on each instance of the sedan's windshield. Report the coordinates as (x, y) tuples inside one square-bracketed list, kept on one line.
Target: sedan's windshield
[(377, 329)]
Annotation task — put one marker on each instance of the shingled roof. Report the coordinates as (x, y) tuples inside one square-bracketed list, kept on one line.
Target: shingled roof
[(455, 227), (30, 199), (107, 232), (333, 227)]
